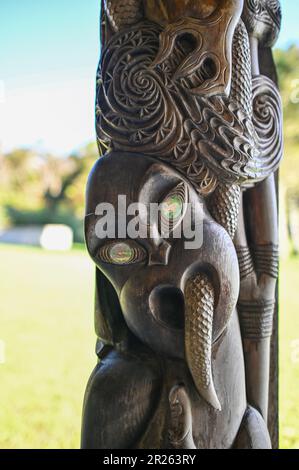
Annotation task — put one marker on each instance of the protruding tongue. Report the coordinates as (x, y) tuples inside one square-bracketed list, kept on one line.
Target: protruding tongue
[(199, 310)]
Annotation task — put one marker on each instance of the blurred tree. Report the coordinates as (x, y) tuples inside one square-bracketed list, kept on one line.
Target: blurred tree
[(39, 189), (288, 71)]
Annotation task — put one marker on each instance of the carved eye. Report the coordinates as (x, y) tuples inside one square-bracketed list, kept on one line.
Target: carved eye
[(173, 208), (122, 253)]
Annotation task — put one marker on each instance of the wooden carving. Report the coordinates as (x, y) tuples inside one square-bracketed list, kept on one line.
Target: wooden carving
[(186, 121)]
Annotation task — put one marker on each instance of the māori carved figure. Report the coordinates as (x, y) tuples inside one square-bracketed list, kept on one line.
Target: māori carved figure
[(176, 312), (185, 115)]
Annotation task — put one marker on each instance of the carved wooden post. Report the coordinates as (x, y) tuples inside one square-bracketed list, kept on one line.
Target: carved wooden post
[(189, 118)]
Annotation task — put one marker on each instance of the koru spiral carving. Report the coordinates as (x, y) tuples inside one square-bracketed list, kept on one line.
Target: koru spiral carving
[(185, 116), (143, 108)]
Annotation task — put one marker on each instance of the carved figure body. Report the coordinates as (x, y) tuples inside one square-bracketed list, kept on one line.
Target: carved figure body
[(180, 303), (187, 118)]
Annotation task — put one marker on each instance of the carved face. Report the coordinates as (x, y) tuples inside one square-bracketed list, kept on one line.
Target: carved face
[(168, 11), (210, 24), (156, 278), (145, 105)]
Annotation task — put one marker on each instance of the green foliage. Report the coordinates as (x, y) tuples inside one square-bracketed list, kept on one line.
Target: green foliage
[(47, 216), (47, 328)]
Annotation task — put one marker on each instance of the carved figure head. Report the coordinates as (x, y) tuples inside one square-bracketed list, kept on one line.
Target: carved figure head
[(174, 299), (142, 108), (209, 27)]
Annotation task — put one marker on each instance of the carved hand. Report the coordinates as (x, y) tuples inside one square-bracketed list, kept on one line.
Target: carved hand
[(180, 432)]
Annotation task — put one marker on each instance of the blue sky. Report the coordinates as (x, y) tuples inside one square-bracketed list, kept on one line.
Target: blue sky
[(49, 51)]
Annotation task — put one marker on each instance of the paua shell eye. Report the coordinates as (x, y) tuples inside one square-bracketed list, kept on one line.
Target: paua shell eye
[(173, 208), (121, 253)]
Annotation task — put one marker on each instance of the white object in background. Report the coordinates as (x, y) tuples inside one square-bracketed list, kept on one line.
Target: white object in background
[(56, 237), (50, 237)]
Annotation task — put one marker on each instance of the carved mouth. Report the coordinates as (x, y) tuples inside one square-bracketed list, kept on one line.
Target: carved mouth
[(204, 77), (167, 306), (193, 314), (206, 70)]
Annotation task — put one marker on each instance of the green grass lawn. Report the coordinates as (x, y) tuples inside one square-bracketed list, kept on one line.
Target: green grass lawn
[(289, 354), (46, 322)]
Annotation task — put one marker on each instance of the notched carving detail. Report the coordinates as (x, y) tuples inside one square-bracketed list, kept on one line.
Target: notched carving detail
[(199, 312), (123, 13), (241, 92), (246, 265), (259, 259), (256, 319), (266, 259), (224, 207)]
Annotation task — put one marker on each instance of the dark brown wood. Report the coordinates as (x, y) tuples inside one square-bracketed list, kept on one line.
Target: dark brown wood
[(187, 117)]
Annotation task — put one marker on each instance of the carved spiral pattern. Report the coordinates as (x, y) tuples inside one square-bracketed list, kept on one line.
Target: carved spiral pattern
[(141, 109), (267, 120), (136, 108)]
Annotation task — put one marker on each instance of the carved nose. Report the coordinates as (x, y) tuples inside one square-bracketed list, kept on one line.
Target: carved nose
[(167, 306), (160, 254)]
